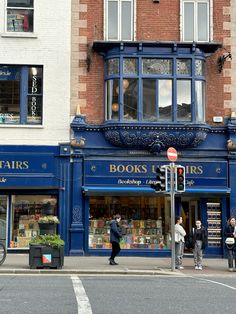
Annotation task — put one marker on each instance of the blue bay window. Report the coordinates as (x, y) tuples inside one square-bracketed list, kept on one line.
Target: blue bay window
[(21, 94), (155, 88)]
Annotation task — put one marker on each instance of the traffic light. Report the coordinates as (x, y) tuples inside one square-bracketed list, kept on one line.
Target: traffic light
[(160, 184), (179, 179)]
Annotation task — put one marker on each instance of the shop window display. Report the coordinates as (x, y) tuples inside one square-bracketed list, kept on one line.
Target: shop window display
[(145, 222), (26, 211)]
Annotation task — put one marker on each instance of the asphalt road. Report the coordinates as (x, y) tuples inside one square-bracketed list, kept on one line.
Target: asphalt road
[(116, 295)]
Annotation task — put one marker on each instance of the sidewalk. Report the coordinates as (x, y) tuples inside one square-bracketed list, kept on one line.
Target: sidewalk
[(90, 265)]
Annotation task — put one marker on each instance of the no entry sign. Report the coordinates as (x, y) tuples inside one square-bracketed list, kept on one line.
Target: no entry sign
[(172, 154)]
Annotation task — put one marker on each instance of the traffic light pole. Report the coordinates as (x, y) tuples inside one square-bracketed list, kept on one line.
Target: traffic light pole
[(172, 215)]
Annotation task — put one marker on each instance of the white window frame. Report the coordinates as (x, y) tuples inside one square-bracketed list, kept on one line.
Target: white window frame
[(133, 19), (17, 8), (210, 21)]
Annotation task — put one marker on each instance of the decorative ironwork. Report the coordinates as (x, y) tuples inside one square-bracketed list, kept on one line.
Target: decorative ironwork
[(157, 66), (156, 139), (77, 214)]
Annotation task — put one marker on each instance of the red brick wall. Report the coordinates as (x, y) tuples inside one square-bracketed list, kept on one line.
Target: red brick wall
[(154, 22)]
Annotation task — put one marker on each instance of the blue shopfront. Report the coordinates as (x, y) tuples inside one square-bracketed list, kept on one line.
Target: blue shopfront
[(122, 185), (33, 183)]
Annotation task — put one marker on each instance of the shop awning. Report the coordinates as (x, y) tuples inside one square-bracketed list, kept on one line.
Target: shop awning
[(95, 190)]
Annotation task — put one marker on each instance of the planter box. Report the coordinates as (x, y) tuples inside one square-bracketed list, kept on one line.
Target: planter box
[(46, 257)]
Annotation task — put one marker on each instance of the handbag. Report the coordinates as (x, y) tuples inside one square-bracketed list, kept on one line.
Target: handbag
[(230, 241)]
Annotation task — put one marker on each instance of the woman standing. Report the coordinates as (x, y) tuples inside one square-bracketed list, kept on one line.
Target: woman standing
[(115, 236), (198, 239), (230, 232)]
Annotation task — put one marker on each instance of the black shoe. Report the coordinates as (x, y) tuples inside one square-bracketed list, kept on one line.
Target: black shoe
[(112, 262)]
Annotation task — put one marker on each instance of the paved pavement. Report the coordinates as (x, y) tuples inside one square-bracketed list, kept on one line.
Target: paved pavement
[(92, 265)]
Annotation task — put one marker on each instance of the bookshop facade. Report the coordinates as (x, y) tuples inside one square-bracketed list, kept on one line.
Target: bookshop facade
[(123, 186), (31, 186)]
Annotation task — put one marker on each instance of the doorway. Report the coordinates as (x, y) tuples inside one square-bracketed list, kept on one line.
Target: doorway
[(190, 212)]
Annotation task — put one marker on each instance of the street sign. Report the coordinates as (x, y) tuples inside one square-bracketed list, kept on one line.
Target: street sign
[(172, 154)]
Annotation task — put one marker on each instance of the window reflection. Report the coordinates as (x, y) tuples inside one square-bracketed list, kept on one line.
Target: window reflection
[(165, 99), (184, 100), (149, 100), (130, 100)]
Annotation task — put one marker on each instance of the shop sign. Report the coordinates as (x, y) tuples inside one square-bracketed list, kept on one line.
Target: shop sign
[(142, 173)]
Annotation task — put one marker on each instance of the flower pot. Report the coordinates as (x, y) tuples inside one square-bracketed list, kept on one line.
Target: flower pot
[(41, 256), (47, 228)]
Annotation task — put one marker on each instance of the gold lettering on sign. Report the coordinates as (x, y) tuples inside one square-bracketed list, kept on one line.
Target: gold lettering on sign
[(136, 168), (194, 169), (14, 164), (128, 168)]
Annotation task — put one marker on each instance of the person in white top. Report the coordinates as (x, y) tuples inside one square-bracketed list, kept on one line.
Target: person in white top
[(179, 242)]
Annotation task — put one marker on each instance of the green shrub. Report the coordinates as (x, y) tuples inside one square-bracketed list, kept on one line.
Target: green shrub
[(52, 240)]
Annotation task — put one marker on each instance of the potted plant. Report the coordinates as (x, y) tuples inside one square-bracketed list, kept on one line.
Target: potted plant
[(47, 224), (46, 251)]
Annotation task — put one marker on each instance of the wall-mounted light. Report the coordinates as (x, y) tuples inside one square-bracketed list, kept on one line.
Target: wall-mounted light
[(221, 60)]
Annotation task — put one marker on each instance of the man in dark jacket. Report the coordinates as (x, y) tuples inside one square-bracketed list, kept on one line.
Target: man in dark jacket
[(198, 240), (115, 236)]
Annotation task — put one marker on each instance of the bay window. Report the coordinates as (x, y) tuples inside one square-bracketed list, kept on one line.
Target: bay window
[(20, 15), (155, 89), (21, 94)]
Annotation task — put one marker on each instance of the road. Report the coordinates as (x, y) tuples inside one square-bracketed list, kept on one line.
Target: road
[(116, 295)]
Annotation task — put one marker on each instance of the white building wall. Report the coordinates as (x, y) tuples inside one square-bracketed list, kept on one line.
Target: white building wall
[(49, 46)]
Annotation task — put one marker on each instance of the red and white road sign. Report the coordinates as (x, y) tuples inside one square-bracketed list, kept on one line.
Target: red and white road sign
[(172, 154)]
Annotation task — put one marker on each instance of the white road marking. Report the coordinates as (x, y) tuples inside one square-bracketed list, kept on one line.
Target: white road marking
[(84, 306), (216, 282)]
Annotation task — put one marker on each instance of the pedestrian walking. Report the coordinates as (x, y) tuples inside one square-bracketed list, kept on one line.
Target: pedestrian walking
[(179, 242), (230, 235), (115, 236), (198, 240)]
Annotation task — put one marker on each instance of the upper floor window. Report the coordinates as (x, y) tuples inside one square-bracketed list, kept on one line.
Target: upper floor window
[(20, 15), (119, 19), (21, 94), (196, 20), (155, 89)]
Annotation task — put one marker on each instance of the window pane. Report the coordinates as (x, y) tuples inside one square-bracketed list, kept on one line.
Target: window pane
[(200, 101), (130, 66), (199, 67), (34, 114), (183, 66), (149, 100), (112, 99), (183, 100), (26, 210), (112, 20), (9, 95), (112, 66), (131, 100), (188, 22), (126, 21), (157, 66), (203, 22), (19, 20), (165, 99), (20, 3)]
